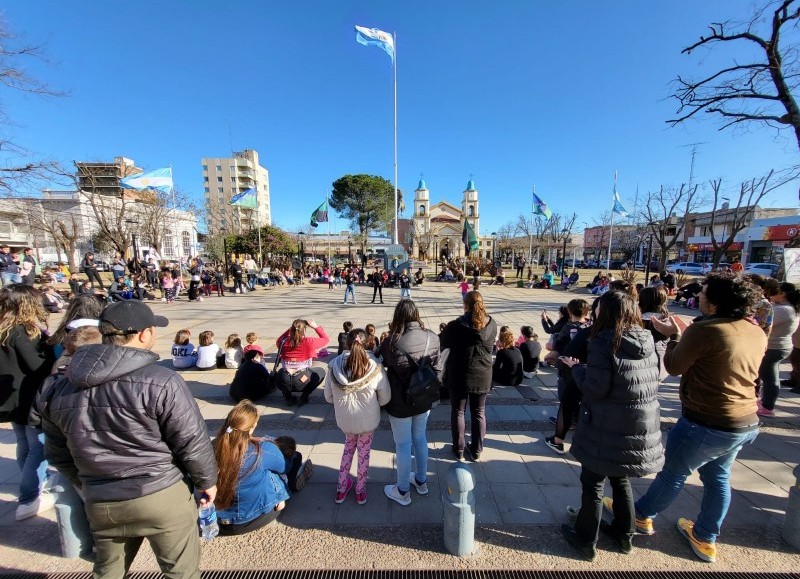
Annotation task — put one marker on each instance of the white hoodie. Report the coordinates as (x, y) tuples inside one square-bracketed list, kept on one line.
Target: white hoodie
[(357, 404)]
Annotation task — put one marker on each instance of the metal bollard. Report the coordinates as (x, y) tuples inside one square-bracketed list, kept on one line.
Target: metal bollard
[(458, 501), (791, 523)]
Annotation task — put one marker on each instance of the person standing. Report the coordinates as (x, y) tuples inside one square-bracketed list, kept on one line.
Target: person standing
[(619, 433), (470, 339), (26, 360), (406, 346), (250, 267), (153, 441), (9, 270), (349, 285), (785, 306), (117, 266), (236, 272), (717, 358), (405, 285), (90, 269), (377, 285), (28, 266)]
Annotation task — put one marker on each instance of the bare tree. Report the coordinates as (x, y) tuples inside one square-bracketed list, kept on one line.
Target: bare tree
[(422, 234), (114, 220), (737, 217), (660, 215), (19, 169), (155, 212), (759, 91)]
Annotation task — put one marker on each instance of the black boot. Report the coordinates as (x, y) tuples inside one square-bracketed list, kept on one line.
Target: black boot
[(624, 542), (587, 550)]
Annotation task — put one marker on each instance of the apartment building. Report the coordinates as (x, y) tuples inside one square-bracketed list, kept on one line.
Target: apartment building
[(224, 177), (103, 178)]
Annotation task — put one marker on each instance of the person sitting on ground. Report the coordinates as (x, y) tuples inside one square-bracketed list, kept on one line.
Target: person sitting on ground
[(551, 327), (255, 474), (687, 292), (342, 337), (118, 291), (252, 341), (207, 352), (507, 368), (602, 287), (595, 280), (233, 352), (371, 341), (547, 280), (251, 380), (531, 351), (419, 277), (53, 302), (574, 278), (655, 281), (183, 351), (296, 354)]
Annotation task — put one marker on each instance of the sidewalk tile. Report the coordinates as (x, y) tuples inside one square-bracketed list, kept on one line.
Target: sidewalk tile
[(522, 504)]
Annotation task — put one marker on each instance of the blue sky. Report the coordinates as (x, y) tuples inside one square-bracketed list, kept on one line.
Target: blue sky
[(555, 94)]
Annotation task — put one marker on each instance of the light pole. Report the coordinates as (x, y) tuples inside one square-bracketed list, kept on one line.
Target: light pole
[(302, 249), (565, 232), (133, 242), (349, 251), (435, 256), (494, 246), (649, 254)]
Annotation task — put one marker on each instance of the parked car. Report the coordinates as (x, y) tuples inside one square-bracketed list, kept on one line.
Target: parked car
[(617, 264), (767, 269), (689, 267)]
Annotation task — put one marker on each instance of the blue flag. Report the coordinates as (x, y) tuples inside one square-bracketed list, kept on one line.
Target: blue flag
[(247, 199), (618, 208), (375, 37), (158, 179), (540, 207)]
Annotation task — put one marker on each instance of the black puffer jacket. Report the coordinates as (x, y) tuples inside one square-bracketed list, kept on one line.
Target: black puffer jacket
[(399, 369), (619, 430), (469, 366), (121, 427)]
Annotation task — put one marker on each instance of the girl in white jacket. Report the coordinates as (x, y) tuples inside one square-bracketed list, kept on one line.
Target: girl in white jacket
[(358, 387)]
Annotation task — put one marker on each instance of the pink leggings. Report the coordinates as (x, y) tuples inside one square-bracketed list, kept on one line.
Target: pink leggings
[(352, 441)]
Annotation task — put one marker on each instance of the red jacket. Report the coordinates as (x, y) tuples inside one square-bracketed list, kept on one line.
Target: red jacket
[(307, 348)]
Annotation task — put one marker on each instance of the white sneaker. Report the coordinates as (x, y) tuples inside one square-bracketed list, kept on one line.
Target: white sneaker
[(199, 299), (52, 484), (422, 489), (163, 299), (394, 493), (41, 505)]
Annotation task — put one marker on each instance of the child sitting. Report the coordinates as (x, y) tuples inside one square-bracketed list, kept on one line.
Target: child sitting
[(507, 368), (183, 352), (371, 342), (251, 380), (233, 352), (208, 351), (531, 351), (342, 338), (252, 342)]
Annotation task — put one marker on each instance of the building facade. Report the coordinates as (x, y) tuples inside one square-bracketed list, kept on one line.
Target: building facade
[(436, 230), (103, 178), (225, 177)]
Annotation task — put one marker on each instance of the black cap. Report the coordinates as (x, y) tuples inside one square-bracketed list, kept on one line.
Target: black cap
[(131, 317)]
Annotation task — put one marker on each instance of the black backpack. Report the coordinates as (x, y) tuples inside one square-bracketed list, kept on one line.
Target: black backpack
[(423, 388)]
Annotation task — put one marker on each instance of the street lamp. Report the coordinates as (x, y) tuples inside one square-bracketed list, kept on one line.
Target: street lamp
[(133, 242), (301, 248), (494, 246), (565, 232), (650, 226), (435, 256), (349, 251)]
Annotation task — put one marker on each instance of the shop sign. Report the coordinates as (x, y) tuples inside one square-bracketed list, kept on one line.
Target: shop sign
[(780, 232)]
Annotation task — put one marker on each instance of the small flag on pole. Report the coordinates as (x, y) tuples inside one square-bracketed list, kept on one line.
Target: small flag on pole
[(158, 179), (320, 214), (469, 238), (540, 207), (248, 199), (618, 208), (375, 37)]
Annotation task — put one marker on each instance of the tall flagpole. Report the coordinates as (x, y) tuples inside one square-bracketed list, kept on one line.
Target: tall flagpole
[(611, 227), (258, 224), (178, 241), (394, 61), (327, 207), (530, 244)]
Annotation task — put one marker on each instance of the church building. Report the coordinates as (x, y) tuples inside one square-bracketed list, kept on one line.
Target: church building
[(436, 230)]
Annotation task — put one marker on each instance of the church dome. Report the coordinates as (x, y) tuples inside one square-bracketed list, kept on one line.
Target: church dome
[(471, 185), (421, 185)]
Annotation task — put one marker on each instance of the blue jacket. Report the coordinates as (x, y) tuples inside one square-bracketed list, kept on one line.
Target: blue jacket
[(258, 489)]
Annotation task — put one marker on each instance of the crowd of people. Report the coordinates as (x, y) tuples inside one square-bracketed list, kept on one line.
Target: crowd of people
[(92, 389)]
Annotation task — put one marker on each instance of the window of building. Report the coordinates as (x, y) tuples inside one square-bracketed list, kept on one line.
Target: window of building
[(219, 189), (205, 179), (186, 240), (233, 167), (205, 167), (219, 167), (206, 189), (233, 180), (422, 210), (169, 243), (471, 211), (219, 179)]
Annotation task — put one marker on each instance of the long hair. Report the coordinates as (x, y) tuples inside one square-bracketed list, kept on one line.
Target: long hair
[(506, 338), (475, 308), (792, 295), (618, 312), (21, 305), (297, 332), (357, 363), (83, 306), (404, 312), (653, 299), (230, 446), (233, 341)]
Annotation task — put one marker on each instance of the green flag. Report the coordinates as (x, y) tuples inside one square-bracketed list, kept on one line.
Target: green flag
[(469, 238), (320, 214)]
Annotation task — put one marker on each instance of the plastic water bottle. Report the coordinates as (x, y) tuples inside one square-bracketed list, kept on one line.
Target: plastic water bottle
[(207, 519)]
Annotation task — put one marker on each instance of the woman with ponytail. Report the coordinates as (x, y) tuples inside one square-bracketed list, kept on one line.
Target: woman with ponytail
[(250, 488), (357, 387), (296, 352), (469, 372), (785, 307)]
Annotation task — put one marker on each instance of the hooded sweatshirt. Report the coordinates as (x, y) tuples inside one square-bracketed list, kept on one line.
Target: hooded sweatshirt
[(357, 404), (619, 429), (469, 366), (120, 427)]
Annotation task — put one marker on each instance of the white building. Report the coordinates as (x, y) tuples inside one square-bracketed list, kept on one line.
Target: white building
[(224, 177)]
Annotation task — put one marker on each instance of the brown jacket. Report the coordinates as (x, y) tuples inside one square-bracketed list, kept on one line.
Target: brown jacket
[(718, 359)]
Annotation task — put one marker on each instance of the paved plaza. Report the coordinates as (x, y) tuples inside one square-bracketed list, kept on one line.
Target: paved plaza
[(522, 488)]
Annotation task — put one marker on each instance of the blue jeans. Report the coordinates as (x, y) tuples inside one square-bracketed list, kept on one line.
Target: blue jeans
[(711, 452), (769, 374), (350, 290), (407, 432), (8, 278), (405, 293), (30, 458)]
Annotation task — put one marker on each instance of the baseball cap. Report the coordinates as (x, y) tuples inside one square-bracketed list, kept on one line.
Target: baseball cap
[(131, 317)]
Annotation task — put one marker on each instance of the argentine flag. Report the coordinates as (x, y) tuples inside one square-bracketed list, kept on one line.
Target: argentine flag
[(247, 199), (158, 179), (618, 208), (375, 37)]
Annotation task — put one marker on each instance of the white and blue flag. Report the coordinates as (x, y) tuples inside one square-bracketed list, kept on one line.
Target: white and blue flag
[(618, 208), (158, 179), (375, 37)]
